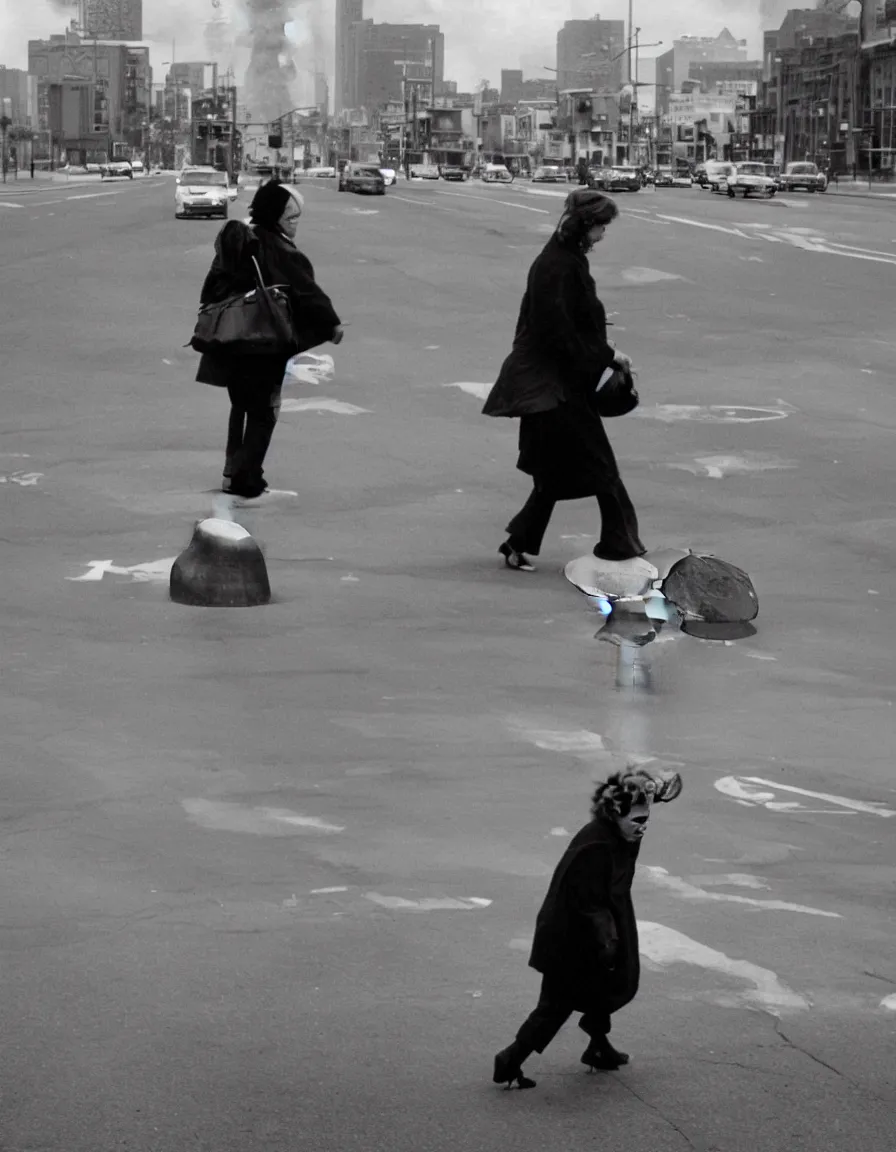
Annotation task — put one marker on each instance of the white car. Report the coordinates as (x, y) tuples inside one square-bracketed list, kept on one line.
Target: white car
[(319, 173), (747, 179), (496, 174), (682, 179), (389, 176), (202, 192), (424, 172), (137, 167), (716, 171)]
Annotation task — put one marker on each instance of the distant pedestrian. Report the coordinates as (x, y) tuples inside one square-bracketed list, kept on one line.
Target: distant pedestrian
[(586, 936), (32, 167), (254, 382), (560, 352)]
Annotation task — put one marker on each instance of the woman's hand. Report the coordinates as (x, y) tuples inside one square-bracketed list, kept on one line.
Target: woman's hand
[(337, 334), (623, 361)]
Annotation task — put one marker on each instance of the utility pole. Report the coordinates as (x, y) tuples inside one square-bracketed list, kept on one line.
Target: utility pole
[(4, 124)]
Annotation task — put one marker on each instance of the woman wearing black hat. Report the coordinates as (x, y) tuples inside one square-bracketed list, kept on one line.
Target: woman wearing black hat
[(254, 382), (560, 351)]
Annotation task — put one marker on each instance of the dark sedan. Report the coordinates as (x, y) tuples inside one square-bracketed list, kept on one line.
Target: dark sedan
[(617, 180)]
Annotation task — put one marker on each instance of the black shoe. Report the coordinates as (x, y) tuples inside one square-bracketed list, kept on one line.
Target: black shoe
[(509, 1068), (514, 559), (600, 1054), (246, 491)]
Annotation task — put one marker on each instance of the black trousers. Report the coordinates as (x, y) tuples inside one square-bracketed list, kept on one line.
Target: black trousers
[(551, 1013), (253, 416), (619, 539)]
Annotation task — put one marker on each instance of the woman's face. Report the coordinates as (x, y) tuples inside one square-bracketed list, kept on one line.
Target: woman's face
[(289, 221), (596, 234)]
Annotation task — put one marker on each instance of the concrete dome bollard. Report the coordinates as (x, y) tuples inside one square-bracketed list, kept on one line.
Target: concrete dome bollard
[(221, 567)]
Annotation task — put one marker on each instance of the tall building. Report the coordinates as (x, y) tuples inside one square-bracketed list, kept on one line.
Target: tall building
[(112, 19), (20, 89), (591, 53), (674, 66), (393, 62), (348, 12)]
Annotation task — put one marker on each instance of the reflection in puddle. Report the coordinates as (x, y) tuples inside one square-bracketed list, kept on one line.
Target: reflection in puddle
[(632, 632)]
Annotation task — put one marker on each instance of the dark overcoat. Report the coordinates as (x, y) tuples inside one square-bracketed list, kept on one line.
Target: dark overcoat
[(586, 935), (232, 272), (560, 351)]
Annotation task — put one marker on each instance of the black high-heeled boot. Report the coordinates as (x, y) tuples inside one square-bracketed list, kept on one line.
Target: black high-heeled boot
[(509, 1067), (600, 1054), (515, 560)]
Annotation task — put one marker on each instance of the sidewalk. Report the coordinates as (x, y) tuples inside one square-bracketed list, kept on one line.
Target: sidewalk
[(44, 180), (862, 189)]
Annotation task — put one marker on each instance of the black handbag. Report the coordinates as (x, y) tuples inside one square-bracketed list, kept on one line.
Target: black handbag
[(255, 323), (618, 396)]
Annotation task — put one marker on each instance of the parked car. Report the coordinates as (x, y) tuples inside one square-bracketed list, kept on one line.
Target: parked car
[(202, 191), (747, 179), (549, 174), (424, 172), (802, 175), (389, 176), (663, 177), (716, 171), (681, 178), (323, 173), (615, 179), (496, 174), (363, 178), (116, 168), (455, 172)]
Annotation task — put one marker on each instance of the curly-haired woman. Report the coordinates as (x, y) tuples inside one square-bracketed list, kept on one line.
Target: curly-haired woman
[(560, 353), (586, 935)]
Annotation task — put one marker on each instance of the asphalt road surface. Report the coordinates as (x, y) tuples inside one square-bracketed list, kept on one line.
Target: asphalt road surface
[(269, 876)]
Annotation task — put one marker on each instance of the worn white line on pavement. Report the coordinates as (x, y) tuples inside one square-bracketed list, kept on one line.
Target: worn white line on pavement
[(665, 946), (703, 224), (10, 204), (853, 248), (92, 195), (661, 877), (507, 203), (423, 203), (871, 808)]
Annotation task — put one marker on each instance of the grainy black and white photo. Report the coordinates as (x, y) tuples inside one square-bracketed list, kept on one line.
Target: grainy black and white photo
[(447, 467)]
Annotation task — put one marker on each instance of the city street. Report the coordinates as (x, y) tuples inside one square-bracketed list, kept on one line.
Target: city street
[(269, 876)]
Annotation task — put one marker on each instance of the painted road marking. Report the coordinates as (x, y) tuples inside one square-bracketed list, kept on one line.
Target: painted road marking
[(871, 808), (23, 479), (648, 276), (703, 224), (717, 467), (322, 404), (92, 195), (507, 203), (753, 791), (10, 204), (665, 946), (154, 570), (428, 904), (223, 816), (688, 891), (480, 391), (422, 203), (711, 414), (889, 1002)]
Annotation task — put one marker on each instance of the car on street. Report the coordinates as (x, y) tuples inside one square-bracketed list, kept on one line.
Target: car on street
[(425, 172), (496, 174), (363, 178), (622, 179), (802, 175), (389, 176), (202, 191), (747, 179), (455, 172), (681, 178), (116, 168), (549, 175), (663, 177), (323, 173), (714, 172)]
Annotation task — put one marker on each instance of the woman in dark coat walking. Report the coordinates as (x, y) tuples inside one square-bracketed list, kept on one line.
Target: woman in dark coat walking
[(560, 351), (254, 382), (586, 935)]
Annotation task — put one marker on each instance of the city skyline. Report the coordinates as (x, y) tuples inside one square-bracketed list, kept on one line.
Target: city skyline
[(481, 36)]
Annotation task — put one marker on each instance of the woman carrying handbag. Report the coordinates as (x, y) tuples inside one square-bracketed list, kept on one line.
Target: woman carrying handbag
[(254, 381), (561, 377)]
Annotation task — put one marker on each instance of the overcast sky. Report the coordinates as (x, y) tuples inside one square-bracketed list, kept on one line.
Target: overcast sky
[(481, 36)]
